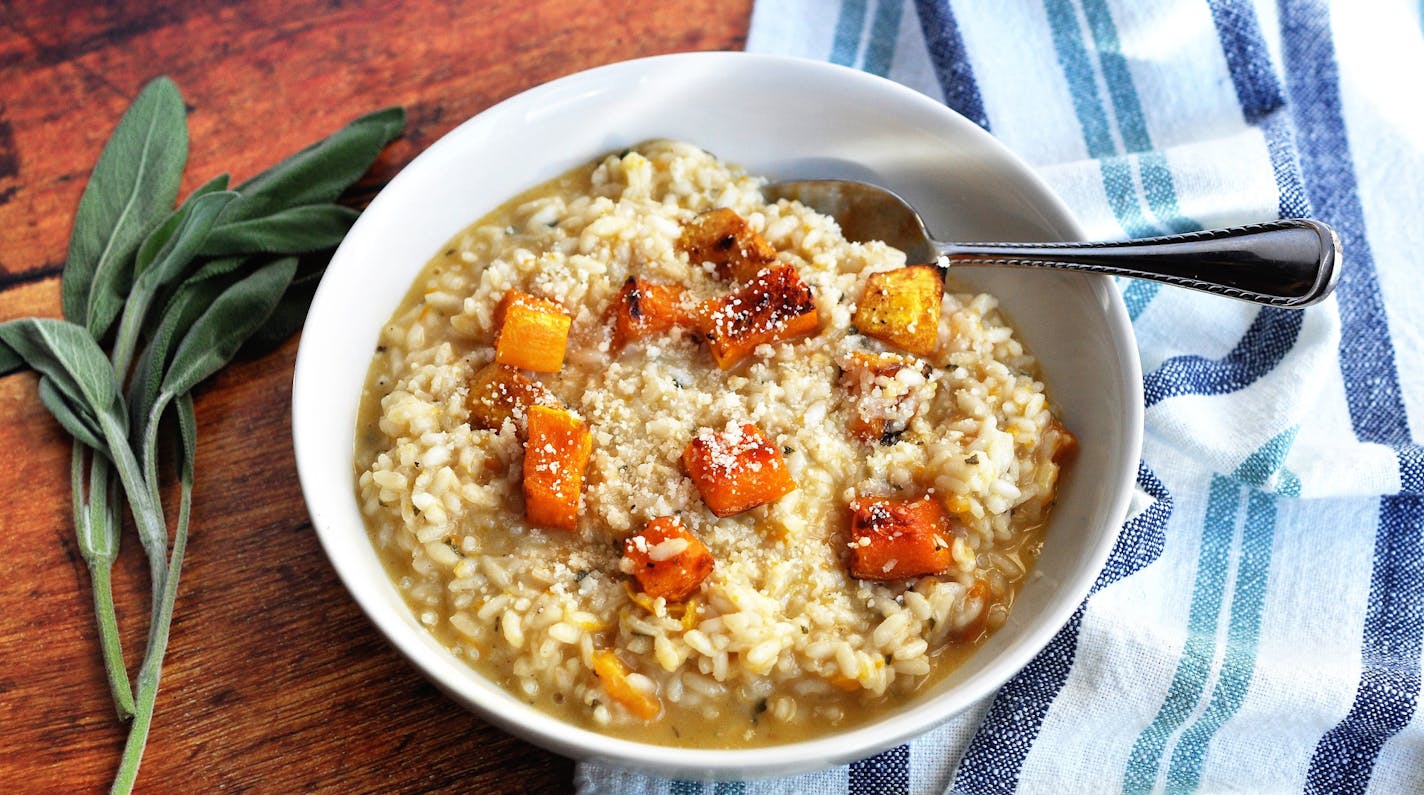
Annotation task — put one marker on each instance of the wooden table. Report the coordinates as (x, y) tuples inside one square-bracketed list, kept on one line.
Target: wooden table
[(274, 681)]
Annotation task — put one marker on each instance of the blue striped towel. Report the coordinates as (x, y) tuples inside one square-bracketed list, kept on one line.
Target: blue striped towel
[(1258, 625)]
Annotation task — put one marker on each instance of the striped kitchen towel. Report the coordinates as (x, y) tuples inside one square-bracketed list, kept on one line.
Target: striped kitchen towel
[(1258, 626)]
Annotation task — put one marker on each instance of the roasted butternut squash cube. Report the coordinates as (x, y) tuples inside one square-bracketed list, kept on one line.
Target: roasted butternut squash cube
[(737, 469), (555, 457), (901, 308), (775, 305), (644, 308), (667, 560), (531, 332), (726, 240), (499, 392), (892, 539)]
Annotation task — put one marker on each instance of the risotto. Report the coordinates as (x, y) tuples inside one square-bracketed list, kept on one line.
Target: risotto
[(686, 467)]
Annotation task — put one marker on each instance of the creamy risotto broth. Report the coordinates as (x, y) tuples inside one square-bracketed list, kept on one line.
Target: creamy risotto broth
[(897, 498)]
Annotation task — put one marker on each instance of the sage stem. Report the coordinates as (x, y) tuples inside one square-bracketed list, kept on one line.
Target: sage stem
[(130, 323), (99, 547), (143, 502), (150, 671)]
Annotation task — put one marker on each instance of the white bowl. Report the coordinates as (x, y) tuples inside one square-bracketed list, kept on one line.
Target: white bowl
[(782, 118)]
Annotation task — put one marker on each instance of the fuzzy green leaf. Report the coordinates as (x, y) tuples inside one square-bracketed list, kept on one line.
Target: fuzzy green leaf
[(197, 220), (217, 268), (226, 324), (296, 230), (194, 221), (74, 419), (132, 187), (187, 303), (319, 173), (68, 357), (289, 314), (161, 236), (9, 361)]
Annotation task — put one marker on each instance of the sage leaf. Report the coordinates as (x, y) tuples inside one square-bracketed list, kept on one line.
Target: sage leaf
[(188, 302), (218, 333), (75, 420), (215, 268), (195, 221), (296, 230), (183, 307), (132, 187), (147, 401), (9, 361), (288, 316), (72, 361), (319, 173), (159, 238)]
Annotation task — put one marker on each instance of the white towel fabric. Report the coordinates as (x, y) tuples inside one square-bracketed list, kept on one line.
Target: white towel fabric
[(1259, 625)]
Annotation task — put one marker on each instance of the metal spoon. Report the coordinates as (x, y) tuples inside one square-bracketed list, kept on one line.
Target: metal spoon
[(1290, 263)]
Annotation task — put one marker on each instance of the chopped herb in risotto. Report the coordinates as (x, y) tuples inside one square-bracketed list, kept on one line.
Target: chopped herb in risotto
[(689, 468)]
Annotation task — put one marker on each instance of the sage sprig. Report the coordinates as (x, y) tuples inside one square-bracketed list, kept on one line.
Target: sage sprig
[(226, 271)]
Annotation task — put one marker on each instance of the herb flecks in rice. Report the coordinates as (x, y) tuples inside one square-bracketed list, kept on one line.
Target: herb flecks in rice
[(780, 642)]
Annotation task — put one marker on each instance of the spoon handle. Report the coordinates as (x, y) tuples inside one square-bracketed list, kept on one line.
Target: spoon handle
[(1289, 263)]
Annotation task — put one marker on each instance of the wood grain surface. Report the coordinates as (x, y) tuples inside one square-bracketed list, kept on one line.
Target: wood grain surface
[(274, 681)]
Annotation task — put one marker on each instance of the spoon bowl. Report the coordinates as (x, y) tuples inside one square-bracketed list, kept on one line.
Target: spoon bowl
[(1291, 263)]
